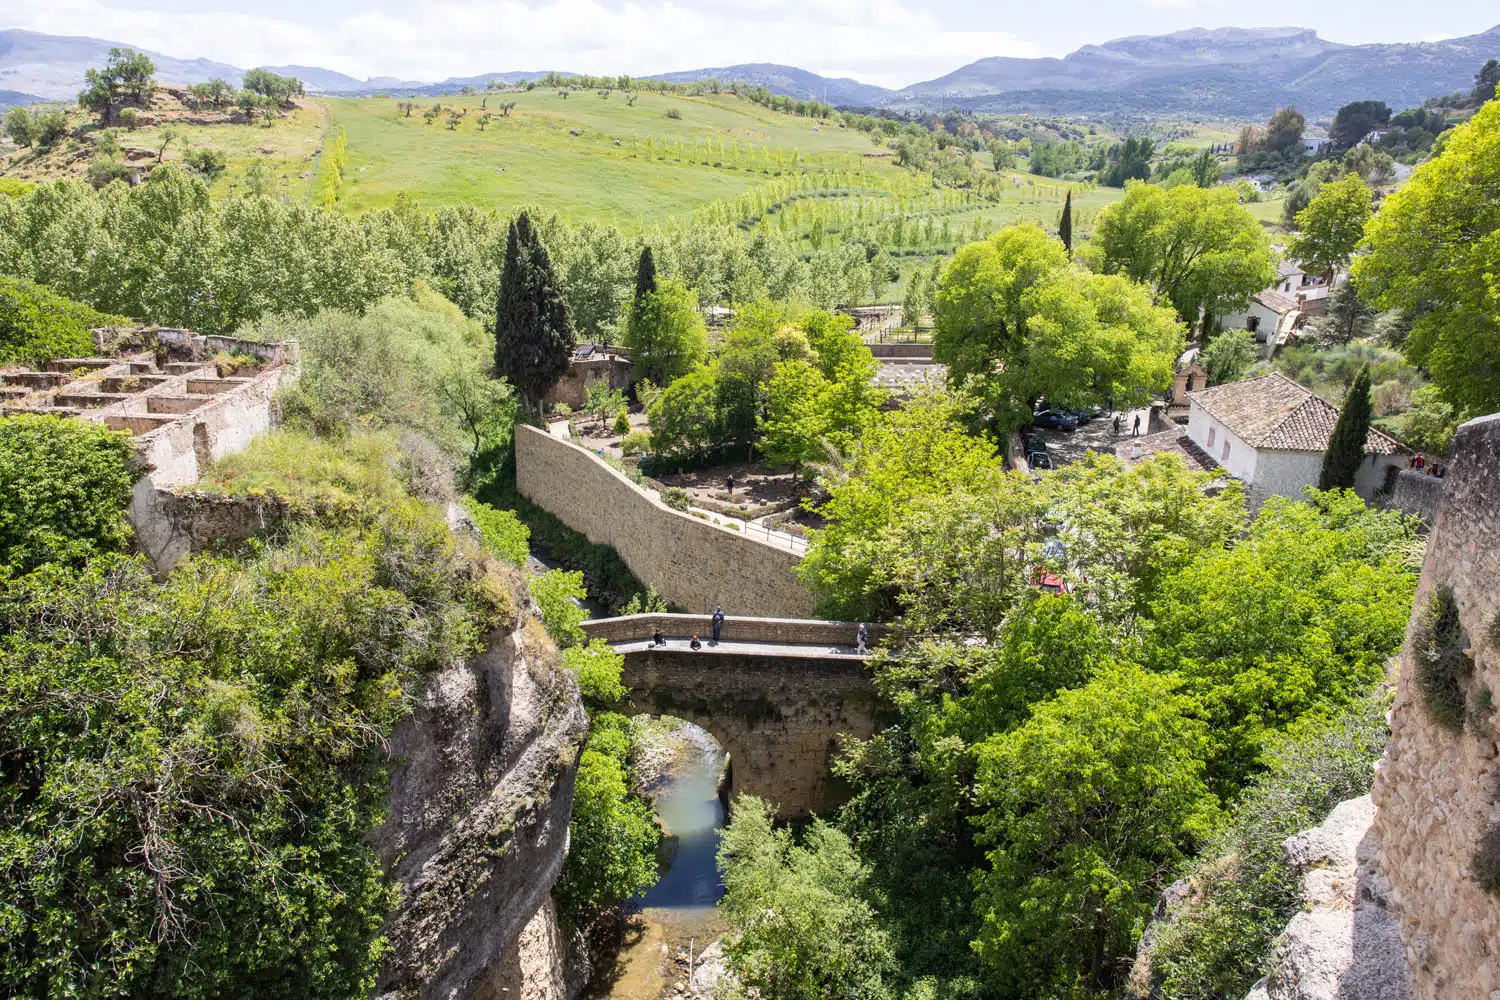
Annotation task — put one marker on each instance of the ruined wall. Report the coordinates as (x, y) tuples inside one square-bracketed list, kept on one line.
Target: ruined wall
[(477, 823), (692, 563), (778, 718), (1437, 790)]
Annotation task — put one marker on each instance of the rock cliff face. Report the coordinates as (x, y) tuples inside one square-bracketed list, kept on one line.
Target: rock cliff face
[(478, 824), (1345, 944)]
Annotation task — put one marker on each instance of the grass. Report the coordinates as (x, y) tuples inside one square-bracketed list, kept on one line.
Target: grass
[(603, 173)]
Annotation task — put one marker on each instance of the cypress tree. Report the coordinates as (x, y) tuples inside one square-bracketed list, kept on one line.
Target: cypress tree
[(645, 274), (1346, 447), (1065, 227), (534, 335)]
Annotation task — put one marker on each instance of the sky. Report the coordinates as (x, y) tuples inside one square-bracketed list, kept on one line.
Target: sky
[(887, 42)]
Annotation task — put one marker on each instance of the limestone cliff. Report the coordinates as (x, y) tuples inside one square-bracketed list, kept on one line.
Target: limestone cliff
[(478, 823)]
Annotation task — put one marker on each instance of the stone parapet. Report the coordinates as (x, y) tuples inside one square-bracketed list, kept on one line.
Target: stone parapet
[(788, 631)]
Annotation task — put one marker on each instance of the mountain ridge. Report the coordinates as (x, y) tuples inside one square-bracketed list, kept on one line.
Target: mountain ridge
[(1226, 71)]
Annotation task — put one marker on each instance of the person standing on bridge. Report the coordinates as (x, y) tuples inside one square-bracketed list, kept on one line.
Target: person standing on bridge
[(862, 640), (1136, 427), (718, 622), (657, 639)]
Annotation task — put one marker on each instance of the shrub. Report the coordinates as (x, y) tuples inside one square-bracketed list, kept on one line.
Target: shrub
[(557, 593), (37, 325), (1437, 645), (1486, 863), (598, 668), (505, 537), (64, 487), (635, 443), (674, 114), (677, 498), (622, 422), (130, 118)]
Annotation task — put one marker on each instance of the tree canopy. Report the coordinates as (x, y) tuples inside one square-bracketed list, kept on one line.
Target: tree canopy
[(1332, 225), (1434, 252), (1197, 249), (534, 335)]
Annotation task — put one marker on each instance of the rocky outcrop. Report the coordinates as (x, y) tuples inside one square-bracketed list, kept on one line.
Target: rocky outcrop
[(1345, 944), (478, 823)]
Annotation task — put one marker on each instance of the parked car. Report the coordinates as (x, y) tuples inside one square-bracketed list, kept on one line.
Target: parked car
[(1082, 416), (1039, 460), (1056, 419), (1035, 442)]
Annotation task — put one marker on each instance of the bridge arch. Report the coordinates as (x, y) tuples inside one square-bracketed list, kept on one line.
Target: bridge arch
[(776, 693)]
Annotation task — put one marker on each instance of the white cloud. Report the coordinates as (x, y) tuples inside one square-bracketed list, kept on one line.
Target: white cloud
[(889, 42)]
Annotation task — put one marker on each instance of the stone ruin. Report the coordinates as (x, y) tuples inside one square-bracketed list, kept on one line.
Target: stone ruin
[(187, 399)]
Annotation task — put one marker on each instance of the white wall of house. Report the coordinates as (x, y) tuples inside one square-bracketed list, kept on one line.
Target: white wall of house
[(1226, 448), (1284, 473), (1372, 473), (1241, 320)]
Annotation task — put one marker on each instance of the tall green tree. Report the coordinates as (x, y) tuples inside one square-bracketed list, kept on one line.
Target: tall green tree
[(1346, 446), (645, 274), (1088, 808), (1198, 249), (534, 335), (1284, 129), (1434, 252), (125, 75), (1355, 120), (18, 126), (1065, 226), (1022, 323), (665, 332), (1229, 356), (1331, 226)]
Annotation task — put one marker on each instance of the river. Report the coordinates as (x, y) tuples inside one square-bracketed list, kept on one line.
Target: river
[(677, 917)]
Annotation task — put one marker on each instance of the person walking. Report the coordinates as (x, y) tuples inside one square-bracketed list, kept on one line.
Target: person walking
[(1117, 425), (1135, 429), (862, 640), (718, 621), (729, 482)]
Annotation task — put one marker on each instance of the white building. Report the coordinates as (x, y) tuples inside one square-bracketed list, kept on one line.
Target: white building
[(1270, 315), (1270, 433)]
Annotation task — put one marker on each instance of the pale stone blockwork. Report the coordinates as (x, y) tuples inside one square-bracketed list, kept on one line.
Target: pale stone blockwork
[(1438, 791), (692, 563)]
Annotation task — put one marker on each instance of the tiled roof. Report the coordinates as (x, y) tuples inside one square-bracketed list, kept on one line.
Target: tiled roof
[(1278, 302), (1276, 413), (1287, 268), (1174, 440)]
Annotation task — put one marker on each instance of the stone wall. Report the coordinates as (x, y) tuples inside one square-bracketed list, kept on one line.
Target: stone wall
[(778, 718), (910, 352), (180, 523), (692, 563), (1437, 790), (1416, 493)]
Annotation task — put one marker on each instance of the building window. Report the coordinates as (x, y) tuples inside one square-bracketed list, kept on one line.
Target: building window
[(1190, 382), (1212, 431), (1225, 453)]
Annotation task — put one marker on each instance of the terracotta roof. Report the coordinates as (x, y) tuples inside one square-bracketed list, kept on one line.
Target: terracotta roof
[(1175, 441), (1288, 267), (1274, 412), (1279, 303)]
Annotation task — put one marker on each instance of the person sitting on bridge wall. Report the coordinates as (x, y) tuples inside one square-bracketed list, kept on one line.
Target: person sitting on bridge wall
[(657, 639), (695, 643)]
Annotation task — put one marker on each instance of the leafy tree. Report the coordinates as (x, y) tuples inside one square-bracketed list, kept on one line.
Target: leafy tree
[(687, 419), (796, 420), (1300, 615), (804, 930), (1087, 807), (1346, 446), (1373, 165), (1349, 315), (1331, 226), (277, 89), (1003, 154), (1229, 356), (125, 75), (64, 487), (1198, 249), (1065, 227), (1432, 255), (37, 325), (1284, 130), (1018, 320), (208, 162), (1356, 120), (557, 593), (18, 126), (534, 335), (664, 330), (645, 274), (48, 127), (1133, 163), (603, 400), (1486, 81), (915, 303)]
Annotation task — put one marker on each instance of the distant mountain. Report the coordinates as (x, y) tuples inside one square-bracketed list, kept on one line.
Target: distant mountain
[(52, 66), (1224, 71), (791, 81), (1230, 72)]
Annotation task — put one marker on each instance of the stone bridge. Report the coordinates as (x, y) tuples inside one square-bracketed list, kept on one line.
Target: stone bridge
[(776, 693)]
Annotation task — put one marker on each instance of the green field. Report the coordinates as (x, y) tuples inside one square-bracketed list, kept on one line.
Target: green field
[(605, 172)]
